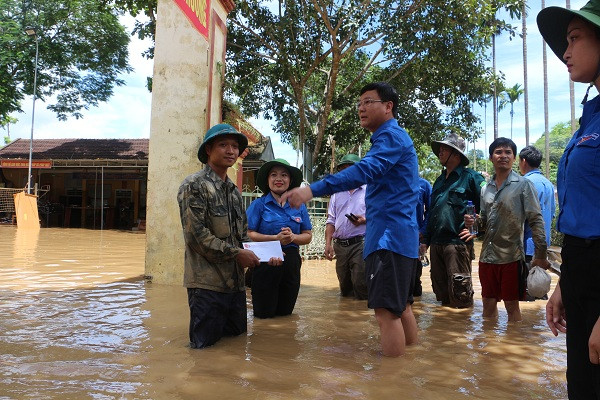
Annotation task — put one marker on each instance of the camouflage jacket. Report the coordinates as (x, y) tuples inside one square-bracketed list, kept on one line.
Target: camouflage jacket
[(214, 227)]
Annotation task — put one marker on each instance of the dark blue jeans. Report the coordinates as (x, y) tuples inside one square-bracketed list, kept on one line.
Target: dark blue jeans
[(214, 315)]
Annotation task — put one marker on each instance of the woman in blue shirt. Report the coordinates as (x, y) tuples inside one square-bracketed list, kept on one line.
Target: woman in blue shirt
[(275, 288), (574, 36)]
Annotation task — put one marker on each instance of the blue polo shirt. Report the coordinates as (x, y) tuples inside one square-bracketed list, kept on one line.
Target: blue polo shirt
[(578, 178), (390, 171), (266, 216), (545, 193)]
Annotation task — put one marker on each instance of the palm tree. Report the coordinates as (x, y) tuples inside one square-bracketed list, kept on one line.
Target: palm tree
[(545, 66), (513, 94), (571, 93), (496, 92), (515, 12), (525, 86)]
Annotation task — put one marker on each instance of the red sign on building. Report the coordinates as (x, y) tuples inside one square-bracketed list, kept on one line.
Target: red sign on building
[(39, 164), (198, 12)]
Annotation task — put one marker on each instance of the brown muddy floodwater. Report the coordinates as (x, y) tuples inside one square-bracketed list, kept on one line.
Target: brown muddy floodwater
[(78, 321)]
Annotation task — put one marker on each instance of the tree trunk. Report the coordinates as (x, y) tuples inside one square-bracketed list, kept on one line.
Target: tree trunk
[(495, 97), (525, 86), (572, 91), (546, 135)]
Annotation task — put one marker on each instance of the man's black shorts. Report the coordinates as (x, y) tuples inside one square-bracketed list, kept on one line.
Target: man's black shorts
[(390, 280)]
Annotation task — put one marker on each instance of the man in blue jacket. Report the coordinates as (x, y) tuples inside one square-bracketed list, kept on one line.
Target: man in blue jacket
[(390, 171)]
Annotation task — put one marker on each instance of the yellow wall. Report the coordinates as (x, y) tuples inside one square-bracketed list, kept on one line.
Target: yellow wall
[(186, 101)]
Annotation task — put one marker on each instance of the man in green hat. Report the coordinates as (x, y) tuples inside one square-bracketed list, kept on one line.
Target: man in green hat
[(449, 255), (574, 36), (344, 235), (214, 227)]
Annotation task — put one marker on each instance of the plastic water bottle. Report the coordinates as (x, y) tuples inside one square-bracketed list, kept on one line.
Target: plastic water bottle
[(471, 211)]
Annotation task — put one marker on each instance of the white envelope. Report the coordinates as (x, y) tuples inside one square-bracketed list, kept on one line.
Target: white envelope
[(265, 250)]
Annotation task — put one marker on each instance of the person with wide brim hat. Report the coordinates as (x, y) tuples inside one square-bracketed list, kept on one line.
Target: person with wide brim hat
[(214, 228), (218, 131), (553, 23), (574, 36), (456, 143), (263, 172), (449, 255), (275, 288)]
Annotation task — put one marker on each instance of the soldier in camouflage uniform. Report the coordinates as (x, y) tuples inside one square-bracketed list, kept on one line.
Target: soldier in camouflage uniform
[(214, 227)]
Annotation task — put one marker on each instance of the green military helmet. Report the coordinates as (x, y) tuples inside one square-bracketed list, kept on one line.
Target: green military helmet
[(217, 130), (262, 180), (348, 159)]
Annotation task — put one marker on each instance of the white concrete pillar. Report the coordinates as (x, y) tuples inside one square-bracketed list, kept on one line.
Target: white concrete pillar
[(189, 63)]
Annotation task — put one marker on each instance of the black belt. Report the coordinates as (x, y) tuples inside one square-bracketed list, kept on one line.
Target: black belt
[(580, 242), (349, 241)]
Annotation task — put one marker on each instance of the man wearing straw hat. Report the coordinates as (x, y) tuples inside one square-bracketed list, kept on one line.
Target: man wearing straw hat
[(450, 256)]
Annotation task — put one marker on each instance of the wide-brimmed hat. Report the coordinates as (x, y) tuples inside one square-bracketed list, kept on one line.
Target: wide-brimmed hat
[(348, 159), (262, 180), (218, 130), (454, 141), (553, 23)]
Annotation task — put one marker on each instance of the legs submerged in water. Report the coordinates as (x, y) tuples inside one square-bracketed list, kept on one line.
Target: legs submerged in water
[(396, 332)]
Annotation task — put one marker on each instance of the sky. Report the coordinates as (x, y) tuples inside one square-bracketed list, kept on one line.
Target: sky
[(127, 114)]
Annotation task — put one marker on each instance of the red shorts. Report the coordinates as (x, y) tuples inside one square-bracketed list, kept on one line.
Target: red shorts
[(500, 281)]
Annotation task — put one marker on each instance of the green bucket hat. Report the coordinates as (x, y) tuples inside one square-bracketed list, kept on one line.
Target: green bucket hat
[(553, 23), (218, 130), (348, 159), (262, 180)]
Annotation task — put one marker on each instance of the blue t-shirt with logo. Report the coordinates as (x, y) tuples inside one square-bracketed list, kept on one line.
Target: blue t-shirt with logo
[(266, 216), (578, 178)]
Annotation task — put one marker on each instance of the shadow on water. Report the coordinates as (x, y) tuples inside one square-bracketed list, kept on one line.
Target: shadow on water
[(78, 321)]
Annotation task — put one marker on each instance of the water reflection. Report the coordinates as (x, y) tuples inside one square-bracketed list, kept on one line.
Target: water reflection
[(78, 321)]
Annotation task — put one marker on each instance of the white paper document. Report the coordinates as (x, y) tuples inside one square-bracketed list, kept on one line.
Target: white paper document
[(265, 250)]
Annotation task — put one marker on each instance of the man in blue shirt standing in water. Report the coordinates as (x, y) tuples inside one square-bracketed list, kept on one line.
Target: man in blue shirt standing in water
[(390, 171)]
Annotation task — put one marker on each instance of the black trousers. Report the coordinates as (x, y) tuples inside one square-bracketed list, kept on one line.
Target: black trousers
[(580, 289), (214, 315), (275, 289)]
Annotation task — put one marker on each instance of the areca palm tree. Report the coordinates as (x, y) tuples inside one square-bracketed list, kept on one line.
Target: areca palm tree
[(513, 93), (525, 86), (514, 9)]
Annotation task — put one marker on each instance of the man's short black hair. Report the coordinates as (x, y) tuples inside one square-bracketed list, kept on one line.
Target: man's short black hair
[(503, 142), (386, 92), (532, 155)]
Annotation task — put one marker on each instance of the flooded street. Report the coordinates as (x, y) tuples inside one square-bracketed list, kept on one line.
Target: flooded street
[(78, 321)]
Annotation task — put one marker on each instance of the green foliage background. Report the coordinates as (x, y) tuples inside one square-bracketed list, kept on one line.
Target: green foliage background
[(82, 50)]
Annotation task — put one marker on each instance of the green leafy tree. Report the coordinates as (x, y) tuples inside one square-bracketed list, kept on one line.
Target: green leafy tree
[(302, 63), (559, 135), (144, 28), (5, 124), (82, 51)]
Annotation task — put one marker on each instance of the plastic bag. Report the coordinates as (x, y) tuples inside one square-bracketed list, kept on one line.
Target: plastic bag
[(538, 282)]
